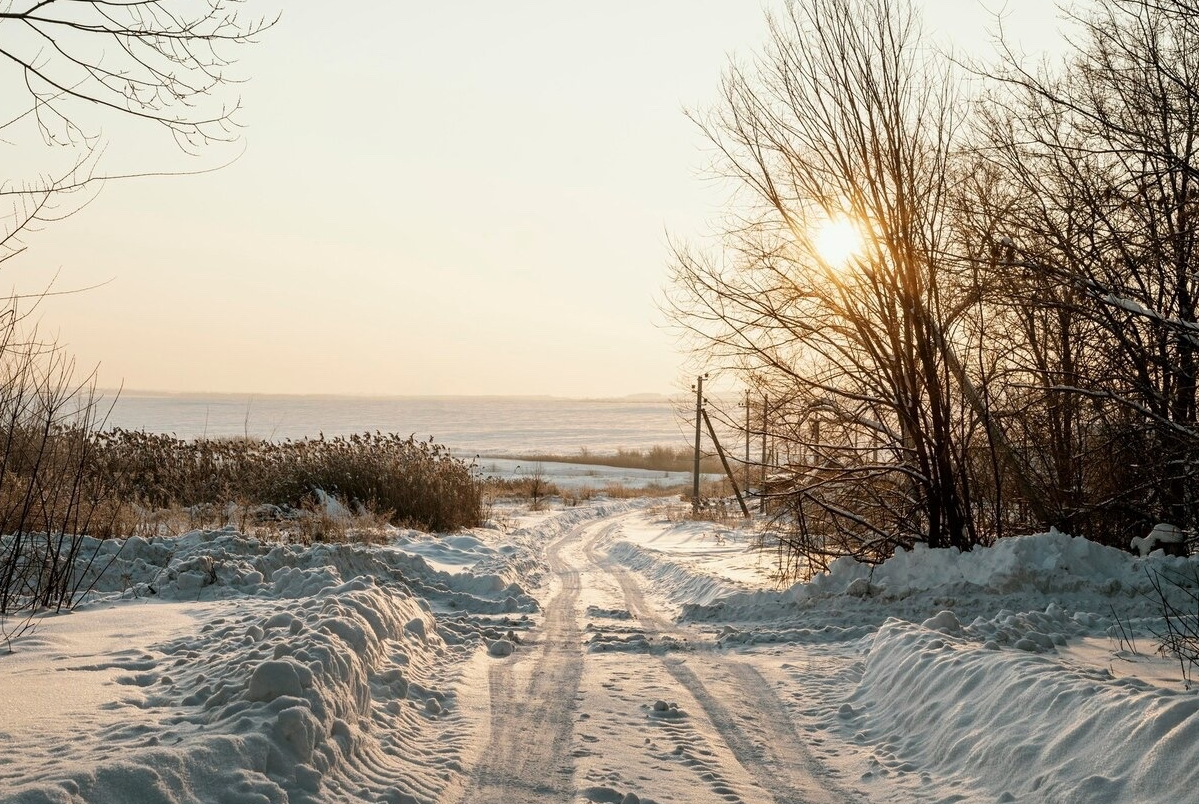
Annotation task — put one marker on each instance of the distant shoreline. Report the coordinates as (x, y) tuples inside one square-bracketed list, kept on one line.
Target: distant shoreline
[(139, 393), (652, 460), (469, 425)]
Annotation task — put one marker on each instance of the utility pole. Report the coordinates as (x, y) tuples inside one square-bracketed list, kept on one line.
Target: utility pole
[(699, 409), (747, 441), (762, 488), (725, 463)]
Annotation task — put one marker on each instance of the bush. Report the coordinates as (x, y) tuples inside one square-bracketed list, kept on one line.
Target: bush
[(409, 482), (1177, 594), (61, 480), (50, 492)]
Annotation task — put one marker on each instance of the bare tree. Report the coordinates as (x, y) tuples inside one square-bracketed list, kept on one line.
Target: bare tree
[(1025, 343), (164, 61), (844, 121), (1098, 167), (67, 66)]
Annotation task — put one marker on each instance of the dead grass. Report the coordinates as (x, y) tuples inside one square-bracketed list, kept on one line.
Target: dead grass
[(524, 490), (717, 506), (408, 482), (305, 525), (659, 458)]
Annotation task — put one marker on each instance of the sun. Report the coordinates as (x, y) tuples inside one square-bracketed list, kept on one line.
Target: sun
[(837, 241)]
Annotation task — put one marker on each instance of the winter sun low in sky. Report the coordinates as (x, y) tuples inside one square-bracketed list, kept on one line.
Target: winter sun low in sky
[(426, 198)]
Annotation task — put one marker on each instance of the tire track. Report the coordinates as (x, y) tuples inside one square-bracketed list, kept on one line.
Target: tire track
[(528, 756), (740, 704)]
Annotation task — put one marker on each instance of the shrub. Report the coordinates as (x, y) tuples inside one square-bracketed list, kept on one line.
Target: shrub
[(50, 493), (661, 458), (1177, 594), (409, 482)]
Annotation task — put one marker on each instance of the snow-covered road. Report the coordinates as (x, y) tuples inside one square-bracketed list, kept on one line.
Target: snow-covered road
[(732, 743), (612, 653), (533, 701)]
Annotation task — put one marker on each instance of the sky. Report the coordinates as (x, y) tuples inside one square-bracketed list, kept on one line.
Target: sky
[(463, 197)]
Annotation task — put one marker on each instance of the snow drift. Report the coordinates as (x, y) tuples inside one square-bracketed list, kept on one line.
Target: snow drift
[(1026, 726)]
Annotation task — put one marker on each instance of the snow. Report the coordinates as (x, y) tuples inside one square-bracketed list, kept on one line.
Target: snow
[(247, 702), (1025, 727), (994, 675), (694, 563), (728, 553), (501, 648), (1163, 533), (577, 476), (273, 674), (606, 652), (82, 644)]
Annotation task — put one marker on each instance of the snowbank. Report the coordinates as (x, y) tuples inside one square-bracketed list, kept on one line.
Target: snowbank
[(692, 563), (677, 581), (953, 676), (1021, 726), (1048, 562), (267, 703), (1032, 570), (330, 672)]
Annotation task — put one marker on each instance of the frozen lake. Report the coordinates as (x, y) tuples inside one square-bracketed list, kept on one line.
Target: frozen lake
[(470, 425)]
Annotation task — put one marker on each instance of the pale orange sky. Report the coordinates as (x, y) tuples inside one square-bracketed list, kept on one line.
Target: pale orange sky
[(435, 198)]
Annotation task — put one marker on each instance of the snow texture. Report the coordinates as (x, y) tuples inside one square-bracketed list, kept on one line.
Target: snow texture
[(213, 667), (296, 674), (944, 676)]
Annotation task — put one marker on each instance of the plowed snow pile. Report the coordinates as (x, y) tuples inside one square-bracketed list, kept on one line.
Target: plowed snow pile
[(213, 667), (217, 668), (1023, 672)]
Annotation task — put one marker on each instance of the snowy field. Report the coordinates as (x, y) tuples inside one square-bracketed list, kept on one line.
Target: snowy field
[(469, 425), (600, 653), (574, 476)]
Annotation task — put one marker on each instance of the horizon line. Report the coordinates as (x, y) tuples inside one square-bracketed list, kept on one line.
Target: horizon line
[(152, 392)]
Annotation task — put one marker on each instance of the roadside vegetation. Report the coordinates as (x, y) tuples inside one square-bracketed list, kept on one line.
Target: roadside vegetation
[(659, 458), (62, 480), (400, 480), (962, 296), (533, 488)]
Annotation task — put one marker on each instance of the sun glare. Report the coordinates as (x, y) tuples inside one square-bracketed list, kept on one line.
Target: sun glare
[(837, 241)]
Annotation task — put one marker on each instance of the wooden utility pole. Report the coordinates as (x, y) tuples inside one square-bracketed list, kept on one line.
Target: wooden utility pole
[(725, 463), (699, 409), (747, 441), (762, 488)]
